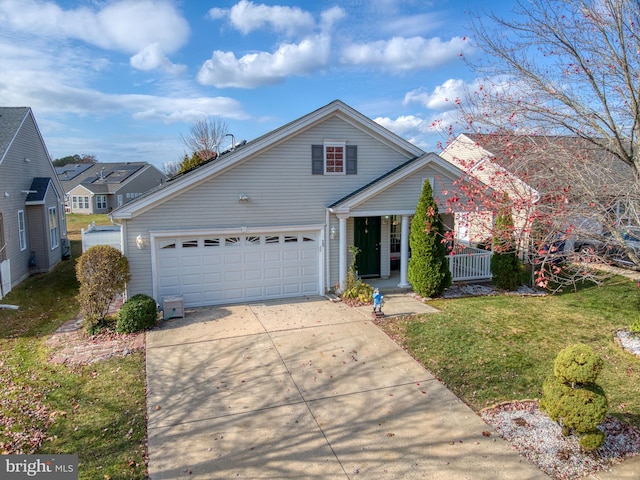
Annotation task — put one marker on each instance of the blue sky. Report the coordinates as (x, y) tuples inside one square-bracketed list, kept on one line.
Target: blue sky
[(124, 79)]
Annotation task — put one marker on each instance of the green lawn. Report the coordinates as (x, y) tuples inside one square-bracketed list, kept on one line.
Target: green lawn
[(76, 222), (493, 349), (97, 411), (485, 349)]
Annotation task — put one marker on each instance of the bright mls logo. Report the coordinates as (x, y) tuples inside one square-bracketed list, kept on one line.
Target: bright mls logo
[(49, 467)]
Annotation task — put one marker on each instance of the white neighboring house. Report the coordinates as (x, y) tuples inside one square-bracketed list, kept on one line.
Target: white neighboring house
[(32, 217), (470, 153), (274, 217)]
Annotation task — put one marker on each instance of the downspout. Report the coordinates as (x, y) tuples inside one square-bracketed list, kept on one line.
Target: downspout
[(327, 252)]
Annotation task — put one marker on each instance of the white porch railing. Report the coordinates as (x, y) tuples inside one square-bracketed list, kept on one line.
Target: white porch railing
[(468, 263)]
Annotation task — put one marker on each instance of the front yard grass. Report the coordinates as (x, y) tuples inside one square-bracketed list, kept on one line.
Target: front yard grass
[(494, 349), (97, 411)]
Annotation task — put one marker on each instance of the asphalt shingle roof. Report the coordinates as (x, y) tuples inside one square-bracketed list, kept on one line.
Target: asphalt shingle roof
[(10, 120)]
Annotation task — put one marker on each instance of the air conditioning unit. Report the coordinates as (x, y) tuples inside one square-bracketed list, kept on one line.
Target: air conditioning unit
[(173, 307), (65, 245)]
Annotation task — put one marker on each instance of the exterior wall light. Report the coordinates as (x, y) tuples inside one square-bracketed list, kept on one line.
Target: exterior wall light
[(140, 242), (244, 198), (333, 233)]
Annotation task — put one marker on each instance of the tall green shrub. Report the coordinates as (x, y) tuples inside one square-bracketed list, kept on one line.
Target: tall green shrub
[(505, 264), (428, 270), (573, 399), (102, 272)]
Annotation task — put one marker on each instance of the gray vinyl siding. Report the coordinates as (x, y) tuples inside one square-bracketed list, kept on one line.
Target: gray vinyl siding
[(39, 238), (16, 175), (141, 182), (404, 195), (279, 182)]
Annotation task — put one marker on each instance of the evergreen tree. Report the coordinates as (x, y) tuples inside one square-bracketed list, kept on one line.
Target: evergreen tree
[(189, 162), (505, 265), (428, 268)]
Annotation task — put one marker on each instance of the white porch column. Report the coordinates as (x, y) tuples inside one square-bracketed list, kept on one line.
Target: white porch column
[(404, 252), (342, 250)]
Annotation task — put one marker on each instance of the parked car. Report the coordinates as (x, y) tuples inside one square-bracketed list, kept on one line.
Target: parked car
[(607, 248)]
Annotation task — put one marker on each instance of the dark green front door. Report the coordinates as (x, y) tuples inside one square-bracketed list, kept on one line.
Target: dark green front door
[(366, 236)]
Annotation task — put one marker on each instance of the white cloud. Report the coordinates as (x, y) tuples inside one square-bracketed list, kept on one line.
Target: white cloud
[(247, 16), (185, 110), (223, 69), (427, 133), (405, 54), (331, 16), (152, 58), (126, 25), (64, 91), (410, 25), (404, 125), (442, 98)]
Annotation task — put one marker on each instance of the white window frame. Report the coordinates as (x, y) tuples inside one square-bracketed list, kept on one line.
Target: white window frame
[(333, 144), (101, 202), (463, 227), (53, 227), (22, 231), (74, 202), (120, 199), (86, 202)]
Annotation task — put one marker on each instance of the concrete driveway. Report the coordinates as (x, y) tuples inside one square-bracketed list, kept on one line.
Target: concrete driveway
[(307, 388)]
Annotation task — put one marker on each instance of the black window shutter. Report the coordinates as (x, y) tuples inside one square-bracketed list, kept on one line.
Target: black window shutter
[(352, 159), (317, 159)]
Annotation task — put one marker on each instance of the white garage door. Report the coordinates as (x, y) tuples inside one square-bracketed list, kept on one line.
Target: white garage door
[(218, 269)]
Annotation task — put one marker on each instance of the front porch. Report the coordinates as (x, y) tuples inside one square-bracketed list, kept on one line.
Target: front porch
[(467, 264)]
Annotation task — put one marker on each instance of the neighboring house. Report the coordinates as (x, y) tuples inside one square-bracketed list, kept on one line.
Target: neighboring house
[(479, 156), (101, 187), (32, 217), (275, 217)]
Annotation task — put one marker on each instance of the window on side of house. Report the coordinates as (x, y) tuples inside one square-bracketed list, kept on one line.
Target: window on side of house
[(334, 157), (53, 228), (86, 202), (22, 231), (74, 202), (101, 202)]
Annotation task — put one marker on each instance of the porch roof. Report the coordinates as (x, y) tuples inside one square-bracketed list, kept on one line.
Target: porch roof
[(392, 177)]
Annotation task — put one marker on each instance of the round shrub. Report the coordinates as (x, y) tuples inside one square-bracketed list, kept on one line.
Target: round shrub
[(592, 441), (575, 409), (577, 364), (573, 399), (137, 314)]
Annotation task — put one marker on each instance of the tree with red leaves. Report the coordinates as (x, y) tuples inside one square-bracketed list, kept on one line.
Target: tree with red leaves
[(558, 107)]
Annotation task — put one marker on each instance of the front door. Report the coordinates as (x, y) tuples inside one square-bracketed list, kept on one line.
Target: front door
[(366, 236)]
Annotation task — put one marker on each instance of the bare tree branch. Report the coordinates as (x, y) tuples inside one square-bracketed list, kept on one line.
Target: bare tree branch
[(205, 137)]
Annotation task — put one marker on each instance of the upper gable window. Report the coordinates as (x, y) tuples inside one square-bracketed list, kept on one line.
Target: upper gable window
[(334, 158)]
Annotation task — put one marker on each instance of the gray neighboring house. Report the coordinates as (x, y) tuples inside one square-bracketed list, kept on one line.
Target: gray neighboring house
[(32, 216), (100, 187), (275, 216)]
